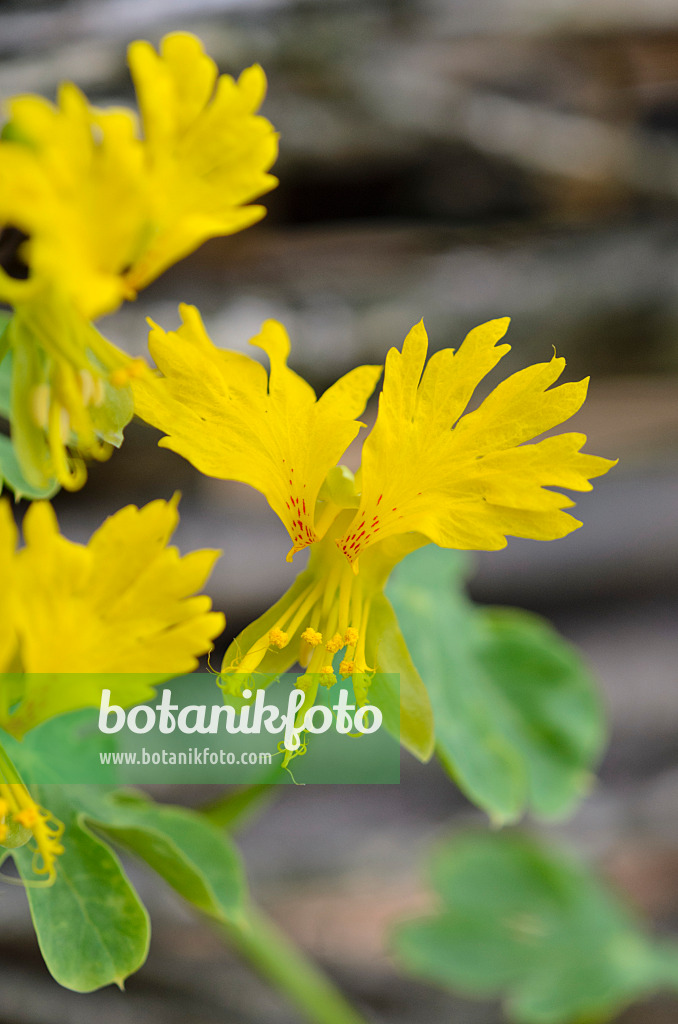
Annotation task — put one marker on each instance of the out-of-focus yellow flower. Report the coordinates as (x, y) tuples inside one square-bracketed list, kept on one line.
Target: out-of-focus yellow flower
[(105, 208), (121, 604), (207, 152), (430, 472)]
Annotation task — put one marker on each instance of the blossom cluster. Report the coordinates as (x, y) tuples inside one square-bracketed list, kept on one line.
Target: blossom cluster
[(104, 201)]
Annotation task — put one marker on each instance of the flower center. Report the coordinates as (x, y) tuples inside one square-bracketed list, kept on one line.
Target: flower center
[(323, 625)]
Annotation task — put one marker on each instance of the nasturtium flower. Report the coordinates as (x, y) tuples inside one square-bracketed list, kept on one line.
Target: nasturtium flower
[(431, 472), (124, 603), (105, 205), (108, 205)]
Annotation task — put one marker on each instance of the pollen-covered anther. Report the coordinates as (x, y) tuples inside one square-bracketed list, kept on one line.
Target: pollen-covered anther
[(347, 668), (351, 637), (335, 644), (327, 675), (124, 374), (27, 816), (278, 638), (312, 636)]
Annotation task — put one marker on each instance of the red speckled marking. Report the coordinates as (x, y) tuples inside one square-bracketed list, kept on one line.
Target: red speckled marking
[(302, 530), (361, 535)]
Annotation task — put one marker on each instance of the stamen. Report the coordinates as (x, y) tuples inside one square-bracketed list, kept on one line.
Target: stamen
[(27, 817), (312, 636), (347, 668), (328, 677), (278, 637), (124, 374), (351, 637), (335, 644), (46, 830)]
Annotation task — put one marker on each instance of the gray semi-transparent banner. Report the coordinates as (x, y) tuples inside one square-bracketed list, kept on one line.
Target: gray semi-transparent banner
[(190, 730)]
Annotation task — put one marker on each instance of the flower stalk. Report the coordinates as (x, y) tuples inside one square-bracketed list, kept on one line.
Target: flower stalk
[(272, 955)]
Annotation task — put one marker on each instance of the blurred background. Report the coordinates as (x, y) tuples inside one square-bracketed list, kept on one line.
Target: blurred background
[(457, 160)]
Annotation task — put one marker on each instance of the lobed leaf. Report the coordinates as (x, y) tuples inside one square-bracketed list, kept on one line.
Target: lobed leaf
[(533, 926), (518, 718)]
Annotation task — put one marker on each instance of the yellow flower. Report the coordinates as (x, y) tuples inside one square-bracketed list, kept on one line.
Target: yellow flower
[(207, 151), (233, 421), (104, 210), (430, 472), (121, 604)]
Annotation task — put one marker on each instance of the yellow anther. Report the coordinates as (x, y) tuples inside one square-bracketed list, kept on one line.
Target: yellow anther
[(27, 817), (347, 668), (278, 637), (328, 676), (335, 644), (124, 374), (351, 637), (312, 636)]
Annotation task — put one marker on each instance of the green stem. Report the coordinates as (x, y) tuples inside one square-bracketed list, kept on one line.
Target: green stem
[(270, 952), (8, 772), (232, 810)]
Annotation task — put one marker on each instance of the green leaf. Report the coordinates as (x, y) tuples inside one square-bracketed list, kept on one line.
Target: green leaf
[(183, 847), (11, 475), (535, 927), (186, 849), (91, 926), (518, 718), (232, 810), (5, 366)]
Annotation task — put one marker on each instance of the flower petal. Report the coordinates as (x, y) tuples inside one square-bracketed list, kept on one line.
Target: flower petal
[(468, 481), (208, 152), (222, 413), (107, 211), (120, 604)]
